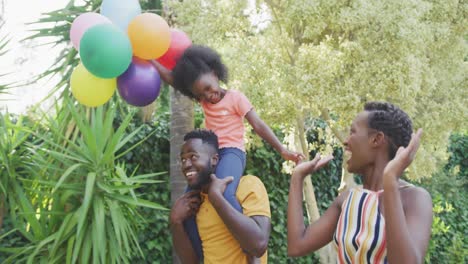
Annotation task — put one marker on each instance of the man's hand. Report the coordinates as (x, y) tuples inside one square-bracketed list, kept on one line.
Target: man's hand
[(187, 205), (218, 186), (184, 207)]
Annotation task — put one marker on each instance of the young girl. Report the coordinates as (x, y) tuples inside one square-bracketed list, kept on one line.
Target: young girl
[(197, 75)]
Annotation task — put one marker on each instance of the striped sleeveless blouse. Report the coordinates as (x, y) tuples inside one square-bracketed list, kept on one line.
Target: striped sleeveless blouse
[(360, 233)]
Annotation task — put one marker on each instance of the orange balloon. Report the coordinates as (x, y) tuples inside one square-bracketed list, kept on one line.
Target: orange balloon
[(150, 36)]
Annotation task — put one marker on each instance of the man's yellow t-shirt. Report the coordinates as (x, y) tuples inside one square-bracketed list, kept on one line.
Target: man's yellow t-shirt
[(219, 246)]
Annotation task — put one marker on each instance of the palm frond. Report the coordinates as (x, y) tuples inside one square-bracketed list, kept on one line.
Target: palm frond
[(56, 25), (4, 40), (76, 179)]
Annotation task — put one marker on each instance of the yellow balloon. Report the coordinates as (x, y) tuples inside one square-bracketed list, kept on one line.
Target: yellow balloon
[(90, 90), (150, 36)]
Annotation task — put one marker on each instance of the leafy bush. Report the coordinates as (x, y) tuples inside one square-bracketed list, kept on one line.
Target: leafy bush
[(154, 235), (448, 243), (266, 163), (153, 155), (448, 187), (76, 201)]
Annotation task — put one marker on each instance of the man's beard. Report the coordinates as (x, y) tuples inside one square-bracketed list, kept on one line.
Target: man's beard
[(204, 177)]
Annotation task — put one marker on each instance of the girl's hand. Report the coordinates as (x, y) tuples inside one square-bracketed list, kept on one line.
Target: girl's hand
[(402, 159), (308, 167), (294, 156), (165, 73)]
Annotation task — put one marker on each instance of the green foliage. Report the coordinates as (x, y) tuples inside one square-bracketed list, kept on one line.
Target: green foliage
[(449, 235), (78, 202), (309, 57), (153, 233), (4, 40), (458, 160), (448, 243), (15, 164), (300, 59), (449, 190), (265, 163)]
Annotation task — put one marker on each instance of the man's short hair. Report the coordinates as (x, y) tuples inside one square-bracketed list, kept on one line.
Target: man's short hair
[(207, 137), (392, 121)]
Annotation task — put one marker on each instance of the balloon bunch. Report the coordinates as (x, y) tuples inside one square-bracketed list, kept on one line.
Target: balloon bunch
[(115, 47)]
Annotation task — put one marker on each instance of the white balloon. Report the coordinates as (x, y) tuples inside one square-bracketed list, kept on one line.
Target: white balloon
[(120, 12)]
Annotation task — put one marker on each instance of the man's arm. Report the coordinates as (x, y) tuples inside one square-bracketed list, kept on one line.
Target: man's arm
[(186, 206), (252, 232)]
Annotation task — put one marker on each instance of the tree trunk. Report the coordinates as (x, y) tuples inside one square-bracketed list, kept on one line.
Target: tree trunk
[(182, 121), (347, 179), (146, 112), (326, 253)]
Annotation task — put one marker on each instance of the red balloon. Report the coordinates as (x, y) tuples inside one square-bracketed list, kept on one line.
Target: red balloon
[(179, 42)]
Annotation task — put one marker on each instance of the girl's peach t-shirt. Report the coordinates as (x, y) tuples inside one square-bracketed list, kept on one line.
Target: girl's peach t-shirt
[(226, 118)]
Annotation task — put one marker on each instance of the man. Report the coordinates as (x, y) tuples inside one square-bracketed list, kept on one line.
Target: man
[(227, 235)]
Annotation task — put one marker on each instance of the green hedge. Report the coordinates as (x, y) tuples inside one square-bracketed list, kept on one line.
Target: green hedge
[(151, 156), (264, 162), (449, 239), (448, 189)]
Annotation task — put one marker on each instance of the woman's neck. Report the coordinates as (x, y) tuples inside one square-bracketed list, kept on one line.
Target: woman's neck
[(373, 176)]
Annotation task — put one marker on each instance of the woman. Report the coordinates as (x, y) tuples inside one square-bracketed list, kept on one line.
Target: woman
[(387, 220)]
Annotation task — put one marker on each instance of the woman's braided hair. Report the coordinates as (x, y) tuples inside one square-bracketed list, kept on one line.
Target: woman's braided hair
[(392, 121)]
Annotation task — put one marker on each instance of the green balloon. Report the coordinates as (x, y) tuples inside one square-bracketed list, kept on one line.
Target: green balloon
[(105, 51)]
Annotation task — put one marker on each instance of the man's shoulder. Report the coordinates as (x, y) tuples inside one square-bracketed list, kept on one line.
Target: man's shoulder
[(250, 180), (250, 184), (253, 196)]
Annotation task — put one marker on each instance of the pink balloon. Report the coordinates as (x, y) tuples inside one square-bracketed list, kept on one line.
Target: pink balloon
[(82, 23)]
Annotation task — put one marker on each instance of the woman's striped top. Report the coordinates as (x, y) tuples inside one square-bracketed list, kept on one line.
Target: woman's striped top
[(360, 232)]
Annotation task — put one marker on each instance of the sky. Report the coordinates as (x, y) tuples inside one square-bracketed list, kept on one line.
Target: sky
[(25, 59)]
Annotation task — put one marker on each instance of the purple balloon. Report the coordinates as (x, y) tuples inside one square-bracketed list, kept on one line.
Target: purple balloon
[(140, 84)]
